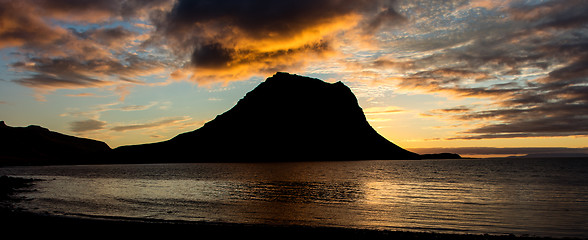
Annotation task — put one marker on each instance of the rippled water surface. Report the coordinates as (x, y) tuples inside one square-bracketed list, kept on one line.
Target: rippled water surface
[(542, 197)]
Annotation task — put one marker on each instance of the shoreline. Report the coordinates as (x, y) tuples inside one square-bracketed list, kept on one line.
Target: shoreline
[(37, 225)]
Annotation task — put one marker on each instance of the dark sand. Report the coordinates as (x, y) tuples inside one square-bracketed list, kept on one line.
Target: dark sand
[(15, 223)]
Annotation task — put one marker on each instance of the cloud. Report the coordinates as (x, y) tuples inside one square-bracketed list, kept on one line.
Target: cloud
[(382, 19), (389, 63), (43, 81), (447, 111), (203, 41), (81, 95), (87, 125), (24, 23), (457, 109), (160, 123), (233, 40), (51, 74), (114, 38), (379, 114), (552, 14), (94, 11), (534, 112), (20, 28), (95, 111), (544, 121), (52, 57), (92, 126), (488, 4), (528, 62), (383, 110)]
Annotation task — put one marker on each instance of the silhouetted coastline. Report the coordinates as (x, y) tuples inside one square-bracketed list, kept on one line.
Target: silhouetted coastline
[(286, 118)]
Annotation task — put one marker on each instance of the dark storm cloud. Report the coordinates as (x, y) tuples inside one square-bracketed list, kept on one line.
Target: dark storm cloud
[(263, 18), (212, 56), (230, 38)]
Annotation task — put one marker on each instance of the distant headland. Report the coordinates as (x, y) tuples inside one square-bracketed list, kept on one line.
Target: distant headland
[(35, 145), (285, 118)]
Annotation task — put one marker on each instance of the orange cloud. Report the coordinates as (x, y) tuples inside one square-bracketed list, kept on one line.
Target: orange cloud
[(383, 110), (52, 57), (488, 4), (18, 27), (242, 64), (207, 42), (238, 39)]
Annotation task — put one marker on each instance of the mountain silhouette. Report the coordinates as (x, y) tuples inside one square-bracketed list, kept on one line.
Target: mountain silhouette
[(287, 117), (34, 145)]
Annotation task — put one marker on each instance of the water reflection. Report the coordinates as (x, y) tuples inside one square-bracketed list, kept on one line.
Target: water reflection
[(467, 196), (302, 192), (297, 202)]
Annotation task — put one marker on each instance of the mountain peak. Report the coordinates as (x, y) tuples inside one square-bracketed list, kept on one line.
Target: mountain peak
[(293, 84), (287, 78), (292, 96)]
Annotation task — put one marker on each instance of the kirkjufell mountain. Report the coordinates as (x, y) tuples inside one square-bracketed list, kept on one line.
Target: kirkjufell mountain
[(287, 117)]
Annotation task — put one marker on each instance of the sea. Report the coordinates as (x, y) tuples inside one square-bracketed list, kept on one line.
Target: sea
[(526, 197)]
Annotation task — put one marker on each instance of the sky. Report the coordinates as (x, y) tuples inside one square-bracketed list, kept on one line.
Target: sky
[(476, 77)]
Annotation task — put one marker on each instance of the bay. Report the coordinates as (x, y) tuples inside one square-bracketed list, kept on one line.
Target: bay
[(537, 197)]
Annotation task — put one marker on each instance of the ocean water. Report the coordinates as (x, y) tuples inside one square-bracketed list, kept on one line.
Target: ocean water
[(537, 197)]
